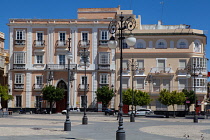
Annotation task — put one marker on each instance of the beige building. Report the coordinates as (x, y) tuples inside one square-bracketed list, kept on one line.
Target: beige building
[(162, 54)]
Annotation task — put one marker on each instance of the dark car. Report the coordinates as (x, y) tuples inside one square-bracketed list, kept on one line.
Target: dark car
[(109, 111)]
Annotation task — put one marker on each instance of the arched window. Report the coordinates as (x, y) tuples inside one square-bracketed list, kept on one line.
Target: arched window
[(182, 44), (140, 44), (161, 44)]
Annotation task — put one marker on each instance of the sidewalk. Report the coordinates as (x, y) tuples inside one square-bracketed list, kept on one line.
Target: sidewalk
[(100, 127)]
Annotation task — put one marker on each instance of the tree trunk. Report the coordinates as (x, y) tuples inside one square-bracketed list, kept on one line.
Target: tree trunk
[(174, 111), (51, 107)]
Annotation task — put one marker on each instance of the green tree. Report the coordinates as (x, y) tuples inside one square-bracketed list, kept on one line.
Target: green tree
[(52, 94), (190, 98), (140, 98), (104, 95), (177, 98), (5, 97), (172, 98)]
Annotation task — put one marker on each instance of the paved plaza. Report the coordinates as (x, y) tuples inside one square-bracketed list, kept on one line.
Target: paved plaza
[(100, 127)]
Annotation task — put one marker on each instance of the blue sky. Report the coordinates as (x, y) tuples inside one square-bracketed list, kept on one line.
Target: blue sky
[(174, 12)]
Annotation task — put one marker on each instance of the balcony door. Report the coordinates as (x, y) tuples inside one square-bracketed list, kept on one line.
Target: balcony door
[(161, 65)]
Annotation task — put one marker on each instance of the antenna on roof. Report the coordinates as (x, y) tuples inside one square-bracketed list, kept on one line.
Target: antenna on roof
[(162, 3)]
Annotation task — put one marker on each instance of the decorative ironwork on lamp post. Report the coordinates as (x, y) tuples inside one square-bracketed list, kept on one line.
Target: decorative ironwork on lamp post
[(114, 26), (67, 124), (133, 65), (195, 118), (84, 53)]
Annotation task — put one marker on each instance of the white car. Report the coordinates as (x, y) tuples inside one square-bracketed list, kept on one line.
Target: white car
[(141, 112), (71, 110)]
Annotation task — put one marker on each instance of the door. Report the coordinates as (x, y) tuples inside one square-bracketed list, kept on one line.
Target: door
[(161, 66), (61, 105)]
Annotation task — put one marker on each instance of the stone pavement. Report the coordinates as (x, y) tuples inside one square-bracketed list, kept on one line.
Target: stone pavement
[(100, 127)]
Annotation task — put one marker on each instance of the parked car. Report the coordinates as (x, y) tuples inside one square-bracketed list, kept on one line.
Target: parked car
[(71, 110), (109, 111), (141, 112)]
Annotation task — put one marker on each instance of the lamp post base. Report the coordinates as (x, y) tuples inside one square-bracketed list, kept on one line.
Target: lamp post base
[(120, 134), (132, 118), (84, 120), (195, 119), (67, 125)]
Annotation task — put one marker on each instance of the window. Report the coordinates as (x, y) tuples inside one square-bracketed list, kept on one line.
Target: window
[(62, 59), (62, 36), (84, 36), (161, 44), (140, 64), (182, 64), (19, 58), (166, 84), (104, 37), (156, 85), (39, 36), (20, 34), (18, 101), (182, 84), (140, 44), (83, 101), (19, 78), (200, 62), (104, 78), (125, 82), (200, 82), (182, 44), (39, 59), (104, 58), (83, 80), (140, 83), (125, 64), (39, 80)]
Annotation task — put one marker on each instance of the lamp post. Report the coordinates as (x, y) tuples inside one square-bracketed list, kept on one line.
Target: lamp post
[(133, 65), (195, 118), (85, 55), (67, 124), (121, 25)]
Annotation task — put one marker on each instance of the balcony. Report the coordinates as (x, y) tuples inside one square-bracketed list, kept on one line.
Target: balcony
[(18, 66), (61, 67), (84, 43), (38, 87), (39, 43), (182, 69), (125, 70), (20, 43), (61, 43), (82, 87), (18, 87), (103, 43), (140, 71), (103, 66), (161, 71)]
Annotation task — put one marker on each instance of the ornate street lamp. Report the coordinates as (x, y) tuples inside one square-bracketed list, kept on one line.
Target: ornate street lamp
[(84, 53), (133, 68), (67, 124), (114, 25), (195, 118)]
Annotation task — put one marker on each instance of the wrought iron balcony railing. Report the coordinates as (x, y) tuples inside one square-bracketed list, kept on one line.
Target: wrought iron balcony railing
[(18, 66), (38, 86), (61, 43), (104, 66), (20, 42), (39, 43), (82, 87), (161, 70), (61, 67), (84, 43), (103, 43), (18, 86)]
